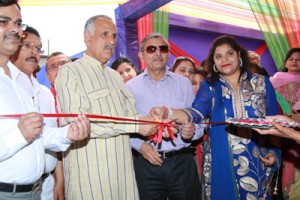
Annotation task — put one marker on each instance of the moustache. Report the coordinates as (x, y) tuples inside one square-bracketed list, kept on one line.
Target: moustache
[(15, 35), (31, 58), (158, 58), (111, 47)]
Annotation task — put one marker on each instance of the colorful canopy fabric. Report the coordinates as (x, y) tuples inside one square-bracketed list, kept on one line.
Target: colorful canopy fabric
[(278, 20)]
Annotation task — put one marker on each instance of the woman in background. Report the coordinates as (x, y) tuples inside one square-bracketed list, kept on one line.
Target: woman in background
[(200, 75), (184, 66), (287, 84)]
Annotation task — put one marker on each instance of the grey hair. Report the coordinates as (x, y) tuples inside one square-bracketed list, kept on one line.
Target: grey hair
[(256, 56), (89, 25), (150, 36)]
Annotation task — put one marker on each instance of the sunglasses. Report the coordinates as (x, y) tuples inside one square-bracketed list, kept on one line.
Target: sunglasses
[(163, 49)]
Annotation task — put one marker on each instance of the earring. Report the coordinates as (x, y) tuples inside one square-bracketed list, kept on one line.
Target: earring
[(215, 68), (241, 62)]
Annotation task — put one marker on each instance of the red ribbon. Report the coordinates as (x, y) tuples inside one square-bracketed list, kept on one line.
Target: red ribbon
[(157, 137)]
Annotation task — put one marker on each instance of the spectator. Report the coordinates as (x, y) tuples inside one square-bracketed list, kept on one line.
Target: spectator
[(184, 66), (125, 67)]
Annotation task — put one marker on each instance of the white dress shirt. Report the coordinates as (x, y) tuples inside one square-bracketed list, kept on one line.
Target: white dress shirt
[(22, 162)]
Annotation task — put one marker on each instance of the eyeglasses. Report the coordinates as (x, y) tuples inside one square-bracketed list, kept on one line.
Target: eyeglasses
[(4, 23), (28, 46), (56, 65), (151, 49)]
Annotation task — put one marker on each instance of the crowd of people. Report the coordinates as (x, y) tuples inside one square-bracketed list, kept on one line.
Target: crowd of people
[(59, 157)]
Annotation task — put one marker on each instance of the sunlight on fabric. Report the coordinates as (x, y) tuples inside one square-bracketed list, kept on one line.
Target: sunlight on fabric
[(238, 14)]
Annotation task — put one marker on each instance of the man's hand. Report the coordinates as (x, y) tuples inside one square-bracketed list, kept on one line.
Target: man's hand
[(59, 192), (158, 113), (147, 129), (79, 129), (279, 130), (30, 125), (187, 130), (269, 159), (173, 128), (59, 188), (151, 154)]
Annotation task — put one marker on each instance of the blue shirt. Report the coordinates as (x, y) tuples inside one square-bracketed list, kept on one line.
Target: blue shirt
[(174, 91)]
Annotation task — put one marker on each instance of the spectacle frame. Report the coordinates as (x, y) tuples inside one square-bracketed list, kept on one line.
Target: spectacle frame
[(28, 46)]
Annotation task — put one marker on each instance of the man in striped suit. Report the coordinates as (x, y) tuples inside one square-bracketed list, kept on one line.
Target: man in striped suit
[(99, 167)]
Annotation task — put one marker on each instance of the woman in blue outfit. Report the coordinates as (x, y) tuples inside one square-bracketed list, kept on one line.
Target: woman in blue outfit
[(238, 163)]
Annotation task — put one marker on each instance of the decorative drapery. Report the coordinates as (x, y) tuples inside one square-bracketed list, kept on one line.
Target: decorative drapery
[(158, 21), (161, 21), (279, 22), (177, 51), (144, 27)]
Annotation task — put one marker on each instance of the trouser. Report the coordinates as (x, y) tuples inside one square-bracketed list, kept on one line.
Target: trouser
[(32, 195), (177, 178)]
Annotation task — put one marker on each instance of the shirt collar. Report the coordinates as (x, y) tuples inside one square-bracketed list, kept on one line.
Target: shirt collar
[(166, 74), (14, 71), (93, 61)]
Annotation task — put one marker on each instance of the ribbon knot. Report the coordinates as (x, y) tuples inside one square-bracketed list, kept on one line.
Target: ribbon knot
[(157, 137)]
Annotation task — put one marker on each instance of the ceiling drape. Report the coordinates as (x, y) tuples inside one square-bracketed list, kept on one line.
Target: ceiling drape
[(280, 24)]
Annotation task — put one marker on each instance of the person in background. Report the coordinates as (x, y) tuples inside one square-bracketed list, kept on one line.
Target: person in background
[(255, 68), (125, 67), (200, 75), (38, 68), (54, 62), (184, 66), (255, 58), (23, 139), (166, 170), (26, 59), (235, 159), (99, 167), (287, 84)]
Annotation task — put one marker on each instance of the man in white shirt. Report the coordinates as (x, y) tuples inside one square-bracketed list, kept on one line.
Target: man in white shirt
[(23, 139), (27, 59)]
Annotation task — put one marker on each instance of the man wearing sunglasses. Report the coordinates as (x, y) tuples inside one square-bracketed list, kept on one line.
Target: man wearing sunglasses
[(167, 170)]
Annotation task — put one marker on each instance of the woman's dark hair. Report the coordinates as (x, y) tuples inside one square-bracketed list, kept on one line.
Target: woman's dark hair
[(115, 65), (225, 39), (288, 55), (180, 59), (202, 72)]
